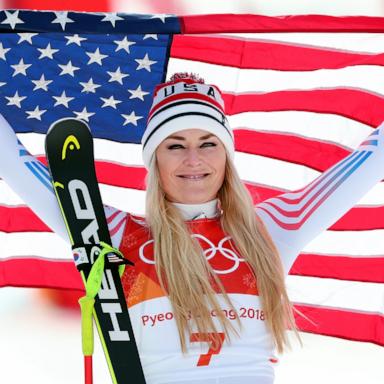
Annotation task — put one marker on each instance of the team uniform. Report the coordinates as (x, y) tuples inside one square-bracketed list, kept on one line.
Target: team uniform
[(292, 220)]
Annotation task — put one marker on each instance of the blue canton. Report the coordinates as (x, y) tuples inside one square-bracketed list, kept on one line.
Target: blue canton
[(82, 65)]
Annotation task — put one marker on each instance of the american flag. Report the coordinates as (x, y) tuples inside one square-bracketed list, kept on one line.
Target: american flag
[(301, 93)]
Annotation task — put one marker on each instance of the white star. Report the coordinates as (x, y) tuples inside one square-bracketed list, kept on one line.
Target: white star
[(160, 16), (145, 63), (123, 44), (36, 113), (3, 51), (68, 69), (110, 102), (47, 52), (150, 36), (15, 100), (131, 118), (84, 114), (20, 68), (12, 19), (112, 17), (96, 57), (137, 93), (117, 76), (42, 83), (26, 37), (62, 100), (62, 19), (75, 39), (1, 84), (90, 86)]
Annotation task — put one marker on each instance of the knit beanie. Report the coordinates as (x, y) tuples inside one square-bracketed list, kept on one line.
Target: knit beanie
[(185, 102)]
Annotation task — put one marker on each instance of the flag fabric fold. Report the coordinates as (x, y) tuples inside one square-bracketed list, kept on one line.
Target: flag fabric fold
[(301, 93)]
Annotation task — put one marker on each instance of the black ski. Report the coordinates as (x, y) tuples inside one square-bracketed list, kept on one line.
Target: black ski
[(69, 149)]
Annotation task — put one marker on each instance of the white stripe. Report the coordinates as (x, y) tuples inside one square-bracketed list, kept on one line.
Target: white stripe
[(263, 170), (346, 243), (349, 243), (325, 127), (319, 126), (353, 42), (43, 244), (357, 296), (7, 196), (123, 153), (230, 79), (128, 200)]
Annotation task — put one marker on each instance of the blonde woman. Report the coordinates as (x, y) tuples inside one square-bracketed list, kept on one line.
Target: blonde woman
[(206, 295)]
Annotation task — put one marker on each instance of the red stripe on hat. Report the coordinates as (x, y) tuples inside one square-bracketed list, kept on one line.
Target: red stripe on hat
[(181, 96)]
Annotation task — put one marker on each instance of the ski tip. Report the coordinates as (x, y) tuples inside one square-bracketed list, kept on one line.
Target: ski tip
[(68, 120)]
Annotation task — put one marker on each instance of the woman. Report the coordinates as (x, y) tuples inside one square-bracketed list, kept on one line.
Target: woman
[(206, 294), (202, 301)]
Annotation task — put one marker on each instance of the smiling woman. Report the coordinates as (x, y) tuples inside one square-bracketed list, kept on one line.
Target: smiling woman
[(197, 207)]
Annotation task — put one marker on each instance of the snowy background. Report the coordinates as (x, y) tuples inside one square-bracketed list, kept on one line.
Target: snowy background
[(41, 344)]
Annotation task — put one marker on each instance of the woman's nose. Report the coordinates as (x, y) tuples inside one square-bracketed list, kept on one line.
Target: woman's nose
[(192, 157)]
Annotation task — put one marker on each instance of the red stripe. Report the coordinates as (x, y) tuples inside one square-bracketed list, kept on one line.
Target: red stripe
[(21, 219), (292, 148), (120, 175), (351, 103), (118, 226), (368, 269), (220, 23), (61, 5), (116, 174), (345, 324), (246, 54), (34, 272), (110, 218), (330, 266)]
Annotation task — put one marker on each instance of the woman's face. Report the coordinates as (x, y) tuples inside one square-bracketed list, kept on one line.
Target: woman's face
[(191, 165)]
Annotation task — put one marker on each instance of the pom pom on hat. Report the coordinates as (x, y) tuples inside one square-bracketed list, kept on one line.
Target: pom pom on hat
[(185, 102), (185, 76)]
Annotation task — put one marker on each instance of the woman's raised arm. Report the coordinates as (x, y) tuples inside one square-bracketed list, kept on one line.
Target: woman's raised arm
[(31, 181), (293, 219)]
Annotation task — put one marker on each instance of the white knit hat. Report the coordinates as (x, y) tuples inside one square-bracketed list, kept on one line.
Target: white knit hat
[(185, 102)]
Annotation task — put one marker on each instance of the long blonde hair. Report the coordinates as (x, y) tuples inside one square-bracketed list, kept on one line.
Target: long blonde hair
[(188, 278)]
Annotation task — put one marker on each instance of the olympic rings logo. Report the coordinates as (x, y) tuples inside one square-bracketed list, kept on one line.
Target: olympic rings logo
[(209, 253)]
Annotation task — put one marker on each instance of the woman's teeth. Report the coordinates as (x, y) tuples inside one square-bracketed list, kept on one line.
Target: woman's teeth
[(193, 177)]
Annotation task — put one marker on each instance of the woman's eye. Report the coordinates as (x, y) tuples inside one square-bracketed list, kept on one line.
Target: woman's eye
[(208, 144), (175, 146)]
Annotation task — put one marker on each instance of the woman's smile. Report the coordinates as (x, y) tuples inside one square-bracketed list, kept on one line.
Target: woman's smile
[(194, 177)]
